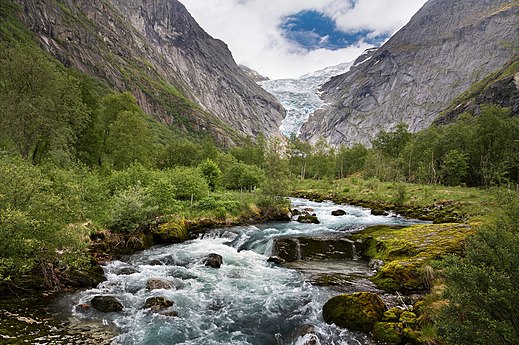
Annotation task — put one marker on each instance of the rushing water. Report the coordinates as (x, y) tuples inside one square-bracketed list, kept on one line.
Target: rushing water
[(246, 301)]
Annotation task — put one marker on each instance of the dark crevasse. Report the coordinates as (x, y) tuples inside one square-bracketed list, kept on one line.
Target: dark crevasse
[(246, 301)]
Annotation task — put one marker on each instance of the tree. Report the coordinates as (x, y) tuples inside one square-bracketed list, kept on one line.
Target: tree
[(41, 106), (211, 172), (455, 167), (392, 143)]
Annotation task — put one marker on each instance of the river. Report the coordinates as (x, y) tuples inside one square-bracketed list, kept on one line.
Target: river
[(246, 301)]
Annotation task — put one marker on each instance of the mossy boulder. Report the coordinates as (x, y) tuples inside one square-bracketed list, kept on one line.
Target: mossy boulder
[(388, 333), (106, 304), (359, 311), (171, 232), (308, 219), (408, 319)]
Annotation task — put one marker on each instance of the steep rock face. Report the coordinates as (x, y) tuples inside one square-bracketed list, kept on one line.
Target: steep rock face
[(155, 49), (445, 48), (500, 88)]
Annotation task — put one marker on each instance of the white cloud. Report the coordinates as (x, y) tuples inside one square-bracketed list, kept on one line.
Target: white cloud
[(251, 28)]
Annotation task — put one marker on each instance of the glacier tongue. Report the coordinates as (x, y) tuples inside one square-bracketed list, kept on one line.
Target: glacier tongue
[(300, 96)]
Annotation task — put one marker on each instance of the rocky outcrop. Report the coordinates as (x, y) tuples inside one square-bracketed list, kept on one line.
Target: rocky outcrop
[(155, 49), (310, 248), (445, 48)]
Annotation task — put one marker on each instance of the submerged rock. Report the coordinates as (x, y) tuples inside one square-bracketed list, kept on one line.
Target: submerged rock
[(308, 248), (213, 260), (106, 304), (171, 313), (276, 260), (359, 311), (338, 213), (156, 304)]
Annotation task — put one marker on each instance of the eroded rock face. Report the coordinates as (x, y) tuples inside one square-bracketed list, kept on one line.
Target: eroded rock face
[(359, 311), (156, 50), (106, 304), (445, 48)]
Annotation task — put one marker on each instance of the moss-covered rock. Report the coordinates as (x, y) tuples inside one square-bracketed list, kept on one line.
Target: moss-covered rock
[(407, 250), (171, 232), (358, 311), (408, 319), (388, 333)]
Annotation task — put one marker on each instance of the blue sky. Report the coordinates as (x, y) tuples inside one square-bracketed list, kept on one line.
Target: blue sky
[(289, 38), (314, 30)]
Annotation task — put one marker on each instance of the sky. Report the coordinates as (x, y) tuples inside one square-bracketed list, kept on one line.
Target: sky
[(289, 38)]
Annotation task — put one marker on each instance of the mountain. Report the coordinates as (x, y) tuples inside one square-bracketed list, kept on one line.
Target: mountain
[(300, 96), (155, 49), (500, 87), (444, 49), (253, 74)]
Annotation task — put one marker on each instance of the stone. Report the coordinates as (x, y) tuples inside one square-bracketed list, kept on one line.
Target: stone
[(313, 248), (308, 219), (392, 315), (358, 312), (375, 264), (338, 213), (295, 212), (378, 212), (84, 307), (156, 304), (169, 313), (106, 304), (408, 319), (156, 284), (276, 260), (213, 260)]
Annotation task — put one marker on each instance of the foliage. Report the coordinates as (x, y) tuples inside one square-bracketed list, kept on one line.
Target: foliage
[(41, 108), (241, 176), (482, 286), (211, 172)]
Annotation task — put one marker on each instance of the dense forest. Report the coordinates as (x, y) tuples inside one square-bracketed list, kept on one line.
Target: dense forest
[(76, 157)]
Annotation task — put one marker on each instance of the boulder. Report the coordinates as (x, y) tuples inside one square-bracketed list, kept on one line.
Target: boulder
[(295, 212), (171, 313), (308, 248), (378, 212), (308, 219), (358, 312), (213, 260), (156, 284), (106, 304), (156, 304), (375, 264), (338, 213)]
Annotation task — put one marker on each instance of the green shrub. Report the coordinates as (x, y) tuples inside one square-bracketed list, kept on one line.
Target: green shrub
[(188, 183)]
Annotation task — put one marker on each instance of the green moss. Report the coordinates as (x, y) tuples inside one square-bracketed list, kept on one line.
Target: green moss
[(389, 333), (358, 311), (408, 318), (171, 232), (392, 315)]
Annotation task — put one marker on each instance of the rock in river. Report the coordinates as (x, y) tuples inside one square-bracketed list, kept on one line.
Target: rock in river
[(106, 304), (213, 260), (156, 304), (359, 311), (338, 213)]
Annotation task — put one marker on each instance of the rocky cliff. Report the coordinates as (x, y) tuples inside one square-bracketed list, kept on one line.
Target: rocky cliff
[(155, 49), (445, 48)]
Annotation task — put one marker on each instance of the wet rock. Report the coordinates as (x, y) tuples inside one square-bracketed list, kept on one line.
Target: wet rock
[(84, 307), (90, 277), (126, 271), (308, 219), (156, 284), (338, 213), (106, 304), (213, 260), (276, 260), (309, 248), (156, 304), (155, 262), (359, 311), (306, 335), (295, 212)]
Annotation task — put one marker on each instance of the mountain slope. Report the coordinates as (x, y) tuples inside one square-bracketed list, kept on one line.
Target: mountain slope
[(445, 48), (156, 50)]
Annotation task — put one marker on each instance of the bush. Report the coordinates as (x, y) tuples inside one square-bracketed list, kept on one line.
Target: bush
[(188, 183)]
